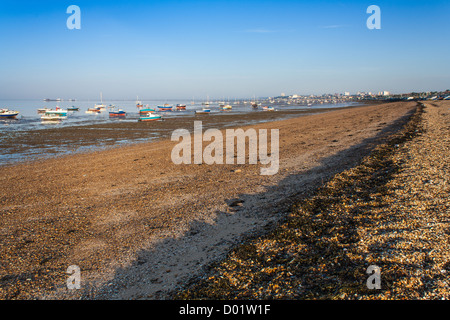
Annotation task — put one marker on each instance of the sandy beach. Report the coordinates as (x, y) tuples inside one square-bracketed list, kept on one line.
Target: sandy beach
[(139, 226)]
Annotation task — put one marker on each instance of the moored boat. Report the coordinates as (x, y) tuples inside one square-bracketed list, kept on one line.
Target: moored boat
[(139, 103), (165, 107), (100, 106), (226, 107), (73, 108), (42, 110), (93, 110), (117, 113), (8, 114), (54, 115), (181, 107), (150, 117), (146, 111), (203, 111)]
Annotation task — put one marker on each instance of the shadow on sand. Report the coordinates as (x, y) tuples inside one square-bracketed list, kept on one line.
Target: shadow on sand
[(158, 272)]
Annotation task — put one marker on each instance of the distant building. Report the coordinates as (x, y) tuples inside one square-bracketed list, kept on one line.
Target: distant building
[(283, 94), (346, 93)]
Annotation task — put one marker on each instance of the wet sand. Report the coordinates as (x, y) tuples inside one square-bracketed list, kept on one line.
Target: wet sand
[(139, 226)]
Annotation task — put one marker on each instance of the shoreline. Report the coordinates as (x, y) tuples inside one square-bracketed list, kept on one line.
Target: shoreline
[(136, 224), (25, 146)]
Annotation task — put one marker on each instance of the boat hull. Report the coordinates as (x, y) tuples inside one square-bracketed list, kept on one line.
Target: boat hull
[(146, 119), (202, 112), (52, 118), (95, 110), (9, 116)]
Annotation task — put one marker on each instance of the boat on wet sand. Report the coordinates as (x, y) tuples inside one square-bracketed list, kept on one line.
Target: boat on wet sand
[(150, 117), (8, 114), (181, 107)]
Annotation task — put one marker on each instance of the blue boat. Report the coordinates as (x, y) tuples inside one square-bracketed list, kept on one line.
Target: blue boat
[(8, 114), (165, 107), (203, 111), (117, 113)]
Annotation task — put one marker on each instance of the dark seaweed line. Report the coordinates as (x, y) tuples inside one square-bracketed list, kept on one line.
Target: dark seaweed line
[(312, 255)]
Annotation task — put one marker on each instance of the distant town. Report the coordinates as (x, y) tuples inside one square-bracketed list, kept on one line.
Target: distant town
[(296, 99)]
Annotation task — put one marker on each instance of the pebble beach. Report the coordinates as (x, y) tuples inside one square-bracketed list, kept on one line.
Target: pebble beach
[(390, 211)]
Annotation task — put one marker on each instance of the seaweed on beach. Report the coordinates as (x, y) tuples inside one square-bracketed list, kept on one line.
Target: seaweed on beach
[(321, 251)]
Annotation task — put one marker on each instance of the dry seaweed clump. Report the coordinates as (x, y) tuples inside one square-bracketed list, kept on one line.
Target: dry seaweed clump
[(391, 211)]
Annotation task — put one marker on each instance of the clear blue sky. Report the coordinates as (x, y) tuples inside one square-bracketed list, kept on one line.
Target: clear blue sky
[(181, 49)]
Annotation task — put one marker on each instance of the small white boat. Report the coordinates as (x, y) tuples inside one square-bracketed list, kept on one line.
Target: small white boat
[(150, 117), (8, 114), (54, 115), (100, 106)]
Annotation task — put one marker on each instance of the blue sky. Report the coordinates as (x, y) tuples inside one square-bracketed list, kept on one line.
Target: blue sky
[(185, 49)]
